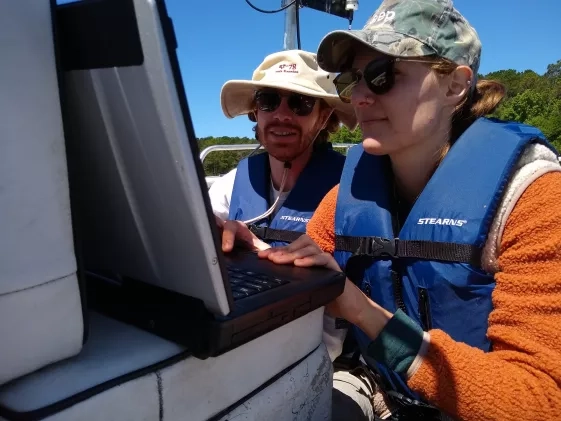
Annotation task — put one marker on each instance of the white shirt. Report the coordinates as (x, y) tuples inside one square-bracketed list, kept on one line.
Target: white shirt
[(221, 194)]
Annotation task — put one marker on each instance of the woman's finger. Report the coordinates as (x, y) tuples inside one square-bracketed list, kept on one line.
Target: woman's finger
[(301, 242), (264, 254), (284, 257), (296, 247), (323, 259)]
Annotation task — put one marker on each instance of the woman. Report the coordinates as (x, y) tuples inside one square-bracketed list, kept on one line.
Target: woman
[(460, 317)]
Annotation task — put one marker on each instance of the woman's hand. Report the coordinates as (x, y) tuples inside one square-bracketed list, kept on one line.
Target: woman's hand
[(352, 305), (302, 252), (236, 233)]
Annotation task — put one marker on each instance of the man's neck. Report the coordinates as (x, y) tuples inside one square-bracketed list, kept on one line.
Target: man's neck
[(297, 165)]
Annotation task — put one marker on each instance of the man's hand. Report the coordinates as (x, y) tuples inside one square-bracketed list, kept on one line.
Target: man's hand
[(236, 233)]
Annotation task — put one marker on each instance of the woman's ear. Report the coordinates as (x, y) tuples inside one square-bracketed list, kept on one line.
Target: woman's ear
[(459, 84)]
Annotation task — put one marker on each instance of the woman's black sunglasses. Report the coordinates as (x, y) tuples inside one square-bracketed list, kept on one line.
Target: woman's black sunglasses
[(378, 75), (269, 100)]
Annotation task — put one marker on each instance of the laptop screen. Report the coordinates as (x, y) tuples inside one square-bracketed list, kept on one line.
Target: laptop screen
[(141, 194)]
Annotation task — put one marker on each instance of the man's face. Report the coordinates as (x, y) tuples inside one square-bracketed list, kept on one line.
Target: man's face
[(287, 123)]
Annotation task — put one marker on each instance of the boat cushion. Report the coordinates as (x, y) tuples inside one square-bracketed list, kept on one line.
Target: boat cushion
[(41, 318), (134, 375)]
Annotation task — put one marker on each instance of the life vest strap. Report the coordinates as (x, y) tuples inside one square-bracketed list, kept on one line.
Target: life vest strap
[(380, 247), (271, 234)]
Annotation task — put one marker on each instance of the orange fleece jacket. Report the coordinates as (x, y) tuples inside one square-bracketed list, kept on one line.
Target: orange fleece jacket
[(521, 378)]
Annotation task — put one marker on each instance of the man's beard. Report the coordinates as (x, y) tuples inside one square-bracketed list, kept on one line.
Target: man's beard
[(289, 152)]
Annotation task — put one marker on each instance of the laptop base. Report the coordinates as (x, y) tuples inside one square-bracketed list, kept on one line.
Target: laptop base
[(186, 321)]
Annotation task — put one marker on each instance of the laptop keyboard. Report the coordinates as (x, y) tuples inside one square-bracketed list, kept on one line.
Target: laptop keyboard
[(245, 283)]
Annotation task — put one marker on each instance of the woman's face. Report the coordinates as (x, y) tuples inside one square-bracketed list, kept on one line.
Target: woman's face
[(412, 112)]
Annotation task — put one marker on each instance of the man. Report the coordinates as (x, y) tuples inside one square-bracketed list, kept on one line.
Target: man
[(295, 107)]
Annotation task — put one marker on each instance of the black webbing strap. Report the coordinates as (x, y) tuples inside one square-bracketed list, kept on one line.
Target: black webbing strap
[(271, 234), (396, 248)]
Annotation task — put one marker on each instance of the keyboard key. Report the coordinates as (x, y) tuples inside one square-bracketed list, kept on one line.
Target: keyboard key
[(237, 295), (246, 283), (266, 284), (237, 275), (256, 286), (245, 290)]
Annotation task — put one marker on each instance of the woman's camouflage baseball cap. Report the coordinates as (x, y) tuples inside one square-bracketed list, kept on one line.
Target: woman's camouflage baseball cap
[(407, 28)]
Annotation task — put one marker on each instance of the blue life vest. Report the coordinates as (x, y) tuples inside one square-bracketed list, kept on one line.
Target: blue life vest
[(432, 270), (252, 187)]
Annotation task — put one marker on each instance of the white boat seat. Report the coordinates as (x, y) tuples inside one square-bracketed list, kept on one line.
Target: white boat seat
[(41, 319), (114, 353), (124, 373)]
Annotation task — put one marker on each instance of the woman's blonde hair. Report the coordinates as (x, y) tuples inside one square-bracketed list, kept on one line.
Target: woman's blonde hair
[(481, 101)]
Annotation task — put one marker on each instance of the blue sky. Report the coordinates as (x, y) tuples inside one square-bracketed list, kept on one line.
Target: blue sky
[(226, 39), (219, 40)]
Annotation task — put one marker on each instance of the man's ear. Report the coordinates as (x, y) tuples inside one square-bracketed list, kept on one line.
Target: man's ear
[(459, 84)]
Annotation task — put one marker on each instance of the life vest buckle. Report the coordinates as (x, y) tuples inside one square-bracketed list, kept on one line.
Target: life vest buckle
[(378, 247)]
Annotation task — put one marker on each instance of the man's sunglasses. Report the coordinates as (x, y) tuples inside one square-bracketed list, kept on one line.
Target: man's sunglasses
[(378, 74), (270, 100)]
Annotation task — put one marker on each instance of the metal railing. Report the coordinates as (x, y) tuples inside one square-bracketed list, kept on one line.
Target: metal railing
[(245, 147), (235, 147)]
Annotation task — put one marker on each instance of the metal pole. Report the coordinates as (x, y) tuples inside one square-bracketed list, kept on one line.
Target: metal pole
[(289, 25)]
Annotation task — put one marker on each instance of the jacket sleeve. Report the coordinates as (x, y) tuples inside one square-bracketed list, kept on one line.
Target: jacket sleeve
[(321, 227), (220, 194), (521, 377)]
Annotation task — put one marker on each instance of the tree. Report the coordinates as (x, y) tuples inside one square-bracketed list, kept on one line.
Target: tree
[(529, 104), (220, 162), (533, 99), (553, 70), (344, 135)]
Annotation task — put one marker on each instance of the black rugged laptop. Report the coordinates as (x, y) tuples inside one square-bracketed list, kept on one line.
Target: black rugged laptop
[(150, 244)]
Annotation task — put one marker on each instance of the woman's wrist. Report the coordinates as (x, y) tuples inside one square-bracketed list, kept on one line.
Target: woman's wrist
[(399, 343), (396, 340), (372, 318)]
